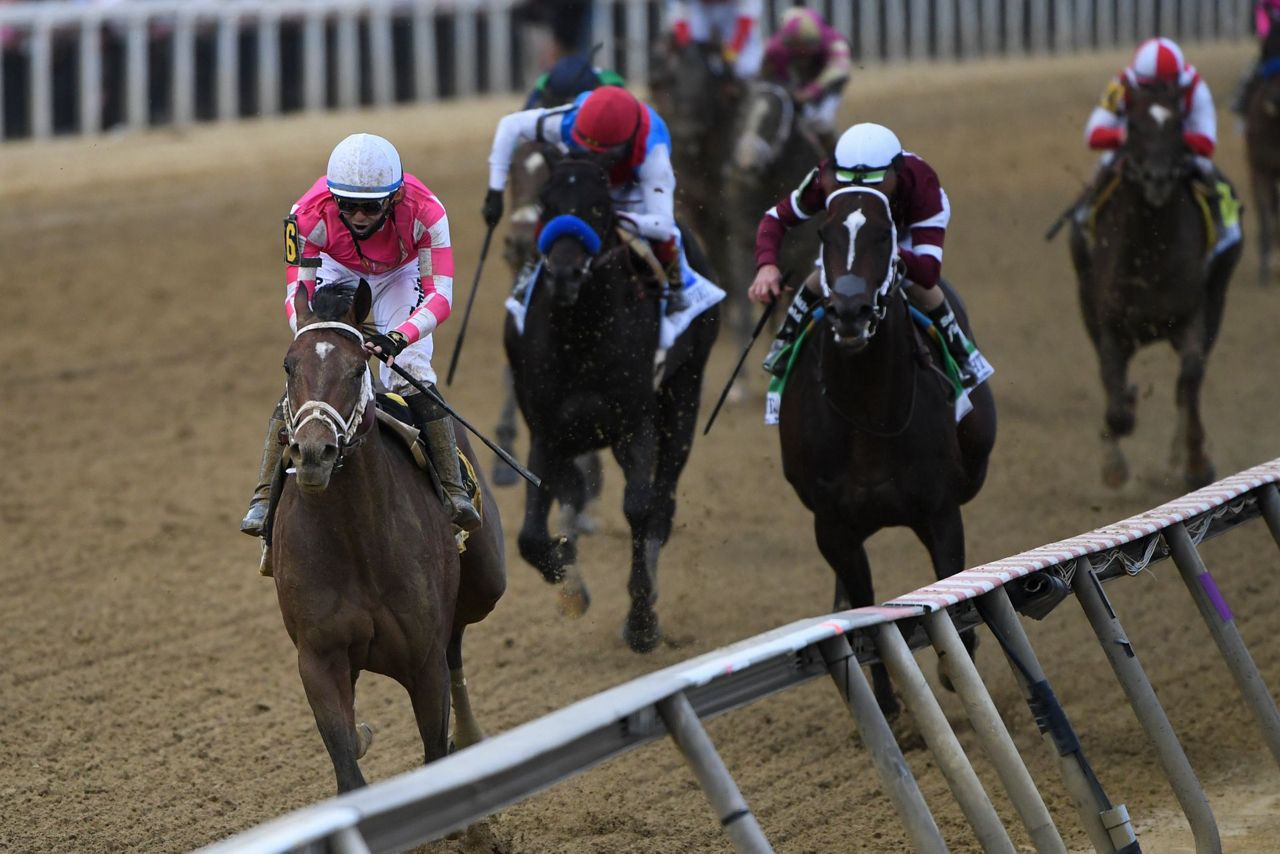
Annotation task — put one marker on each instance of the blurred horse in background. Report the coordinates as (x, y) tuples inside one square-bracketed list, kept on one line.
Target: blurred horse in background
[(1262, 142)]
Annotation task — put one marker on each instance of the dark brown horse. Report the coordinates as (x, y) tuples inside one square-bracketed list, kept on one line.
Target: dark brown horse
[(367, 570), (867, 423), (1147, 273), (1262, 140)]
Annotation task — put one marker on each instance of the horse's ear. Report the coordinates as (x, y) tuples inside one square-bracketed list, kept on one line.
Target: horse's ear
[(364, 300), (302, 305)]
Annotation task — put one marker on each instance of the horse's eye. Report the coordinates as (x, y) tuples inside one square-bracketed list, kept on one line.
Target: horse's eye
[(288, 366)]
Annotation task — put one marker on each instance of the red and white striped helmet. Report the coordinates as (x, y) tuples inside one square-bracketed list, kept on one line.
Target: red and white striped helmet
[(1158, 60)]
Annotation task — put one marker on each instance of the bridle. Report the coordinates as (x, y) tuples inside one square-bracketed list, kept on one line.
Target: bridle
[(344, 429), (894, 272)]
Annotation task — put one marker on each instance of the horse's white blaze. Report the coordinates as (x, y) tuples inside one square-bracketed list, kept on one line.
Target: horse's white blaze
[(1160, 113), (854, 222), (324, 348)]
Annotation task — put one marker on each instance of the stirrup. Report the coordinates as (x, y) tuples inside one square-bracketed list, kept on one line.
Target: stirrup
[(255, 518), (773, 363), (462, 511)]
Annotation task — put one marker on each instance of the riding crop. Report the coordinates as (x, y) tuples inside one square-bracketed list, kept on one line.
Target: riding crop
[(764, 318), (466, 315), (489, 443)]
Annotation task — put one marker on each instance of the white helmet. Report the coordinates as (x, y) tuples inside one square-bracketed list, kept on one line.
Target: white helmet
[(864, 152), (364, 166)]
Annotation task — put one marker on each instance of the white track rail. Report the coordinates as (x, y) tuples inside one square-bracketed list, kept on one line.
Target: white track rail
[(449, 794)]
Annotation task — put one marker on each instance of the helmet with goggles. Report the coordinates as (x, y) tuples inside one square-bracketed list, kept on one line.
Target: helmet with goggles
[(1156, 61), (609, 117), (865, 152), (364, 166)]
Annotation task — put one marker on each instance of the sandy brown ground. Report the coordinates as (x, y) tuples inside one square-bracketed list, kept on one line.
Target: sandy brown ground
[(148, 693)]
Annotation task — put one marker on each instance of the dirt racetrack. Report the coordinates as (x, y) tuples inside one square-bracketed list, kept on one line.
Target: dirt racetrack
[(149, 698)]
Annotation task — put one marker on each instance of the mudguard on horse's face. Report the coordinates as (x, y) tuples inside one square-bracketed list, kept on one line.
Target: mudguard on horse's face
[(1262, 144), (769, 158), (867, 427), (365, 563), (1147, 271), (584, 378)]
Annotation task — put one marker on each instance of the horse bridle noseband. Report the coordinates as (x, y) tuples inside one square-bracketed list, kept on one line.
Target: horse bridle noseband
[(344, 429)]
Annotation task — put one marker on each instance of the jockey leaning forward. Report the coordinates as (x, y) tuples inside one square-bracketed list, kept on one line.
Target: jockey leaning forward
[(814, 62), (631, 142), (870, 155), (368, 219), (734, 25)]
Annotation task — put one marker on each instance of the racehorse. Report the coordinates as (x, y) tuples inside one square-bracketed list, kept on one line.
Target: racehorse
[(1262, 140), (1147, 272), (771, 155), (584, 369), (366, 566), (695, 91), (867, 423)]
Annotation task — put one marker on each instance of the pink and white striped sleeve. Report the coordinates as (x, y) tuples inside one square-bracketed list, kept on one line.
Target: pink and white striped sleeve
[(435, 266)]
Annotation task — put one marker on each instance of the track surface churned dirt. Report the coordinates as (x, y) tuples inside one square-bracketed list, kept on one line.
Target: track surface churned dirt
[(149, 698)]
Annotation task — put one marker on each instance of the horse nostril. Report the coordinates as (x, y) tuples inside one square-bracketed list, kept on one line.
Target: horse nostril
[(329, 454)]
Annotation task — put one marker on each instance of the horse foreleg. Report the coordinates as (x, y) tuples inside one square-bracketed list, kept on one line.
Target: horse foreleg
[(1189, 438), (1265, 198), (429, 694), (327, 680), (942, 534), (1114, 353), (503, 474), (637, 456), (544, 554), (466, 729), (841, 547)]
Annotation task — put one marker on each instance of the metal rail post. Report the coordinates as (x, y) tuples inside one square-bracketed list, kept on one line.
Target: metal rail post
[(714, 778), (943, 744), (90, 81), (1147, 708), (992, 735), (1269, 501), (40, 84), (895, 775), (1217, 616), (1108, 827)]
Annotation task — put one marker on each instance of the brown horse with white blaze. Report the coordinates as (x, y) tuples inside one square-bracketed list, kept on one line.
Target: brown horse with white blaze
[(367, 570)]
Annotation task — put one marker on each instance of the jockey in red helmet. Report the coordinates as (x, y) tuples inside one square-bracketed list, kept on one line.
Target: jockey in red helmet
[(631, 141)]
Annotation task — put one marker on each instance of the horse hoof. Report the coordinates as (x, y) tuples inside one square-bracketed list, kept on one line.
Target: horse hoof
[(364, 738), (1200, 476), (573, 597), (504, 475), (640, 631), (1115, 469), (944, 678)]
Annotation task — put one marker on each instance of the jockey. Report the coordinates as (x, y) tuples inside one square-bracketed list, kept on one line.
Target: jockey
[(367, 219), (1266, 14), (870, 154), (814, 62), (1157, 61), (567, 79), (733, 24), (631, 141)]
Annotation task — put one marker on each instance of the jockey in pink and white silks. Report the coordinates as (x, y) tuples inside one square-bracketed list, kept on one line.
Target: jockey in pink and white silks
[(814, 62), (870, 155), (732, 24), (366, 219)]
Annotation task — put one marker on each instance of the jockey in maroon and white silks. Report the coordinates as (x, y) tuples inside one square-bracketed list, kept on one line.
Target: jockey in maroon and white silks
[(1156, 60), (408, 261), (814, 62), (732, 24), (919, 206), (870, 155)]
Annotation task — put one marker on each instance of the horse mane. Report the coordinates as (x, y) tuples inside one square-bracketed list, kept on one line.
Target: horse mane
[(333, 302)]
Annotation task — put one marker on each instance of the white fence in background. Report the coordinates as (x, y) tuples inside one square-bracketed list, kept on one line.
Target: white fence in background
[(453, 792), (70, 67)]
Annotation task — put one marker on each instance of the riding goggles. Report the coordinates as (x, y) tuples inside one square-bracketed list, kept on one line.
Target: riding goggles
[(369, 207)]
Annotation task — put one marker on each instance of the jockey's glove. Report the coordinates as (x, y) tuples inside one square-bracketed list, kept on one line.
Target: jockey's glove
[(492, 209), (391, 344)]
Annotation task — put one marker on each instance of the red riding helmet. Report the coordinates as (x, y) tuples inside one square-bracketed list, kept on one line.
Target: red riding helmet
[(609, 117), (1157, 60)]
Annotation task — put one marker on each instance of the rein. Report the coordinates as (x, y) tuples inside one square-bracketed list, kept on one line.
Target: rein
[(344, 429)]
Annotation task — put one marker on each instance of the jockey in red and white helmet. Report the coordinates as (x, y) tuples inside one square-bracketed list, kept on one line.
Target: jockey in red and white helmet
[(814, 62), (631, 141), (732, 24), (366, 218), (1157, 60), (870, 155)]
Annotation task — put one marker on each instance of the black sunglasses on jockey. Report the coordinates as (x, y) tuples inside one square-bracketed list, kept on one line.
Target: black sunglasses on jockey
[(369, 207)]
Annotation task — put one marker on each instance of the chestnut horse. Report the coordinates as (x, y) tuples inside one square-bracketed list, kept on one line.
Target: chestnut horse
[(1147, 273), (366, 566), (867, 424)]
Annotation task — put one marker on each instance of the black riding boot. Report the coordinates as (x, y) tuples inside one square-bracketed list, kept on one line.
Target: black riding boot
[(442, 447), (958, 344), (256, 517), (799, 310)]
